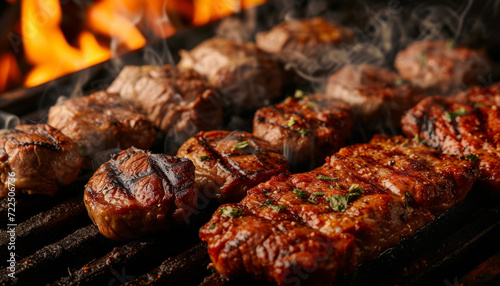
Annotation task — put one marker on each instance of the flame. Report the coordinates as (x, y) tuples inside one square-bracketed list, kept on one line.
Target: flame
[(209, 10), (9, 71)]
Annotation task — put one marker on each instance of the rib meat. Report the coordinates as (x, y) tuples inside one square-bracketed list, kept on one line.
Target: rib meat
[(37, 159), (366, 198), (229, 163), (137, 193)]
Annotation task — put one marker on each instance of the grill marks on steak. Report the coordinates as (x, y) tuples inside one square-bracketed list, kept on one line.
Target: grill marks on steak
[(137, 193), (440, 65), (41, 158), (178, 102), (229, 163), (101, 121), (460, 129), (246, 77), (305, 130), (284, 222)]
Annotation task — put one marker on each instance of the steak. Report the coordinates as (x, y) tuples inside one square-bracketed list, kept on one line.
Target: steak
[(101, 121), (378, 96), (472, 131), (441, 66), (305, 129), (245, 77), (137, 193), (178, 102), (366, 198), (229, 163), (37, 159)]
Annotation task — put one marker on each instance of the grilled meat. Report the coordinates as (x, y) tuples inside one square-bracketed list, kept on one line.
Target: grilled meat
[(440, 65), (37, 159), (137, 193), (480, 96), (177, 102), (305, 44), (245, 77), (378, 96), (367, 197), (460, 129), (229, 163), (304, 129), (101, 121)]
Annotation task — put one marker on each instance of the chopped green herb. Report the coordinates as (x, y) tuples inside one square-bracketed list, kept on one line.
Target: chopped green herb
[(459, 112), (450, 44), (303, 131), (278, 208), (472, 158), (312, 201), (300, 193), (241, 145), (398, 82), (311, 104), (267, 203), (231, 212), (331, 187), (479, 105), (408, 200), (318, 194), (291, 122), (204, 157), (339, 202), (268, 194), (337, 184), (299, 94), (422, 57), (323, 177), (212, 226), (418, 140)]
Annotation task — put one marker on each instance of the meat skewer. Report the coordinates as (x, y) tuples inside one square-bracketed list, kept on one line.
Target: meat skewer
[(313, 227)]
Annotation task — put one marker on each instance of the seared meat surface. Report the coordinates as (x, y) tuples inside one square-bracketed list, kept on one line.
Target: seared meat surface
[(305, 44), (366, 198), (229, 163), (466, 130), (38, 159), (378, 96), (137, 193), (480, 96), (305, 129), (178, 102), (441, 66), (246, 77), (101, 121)]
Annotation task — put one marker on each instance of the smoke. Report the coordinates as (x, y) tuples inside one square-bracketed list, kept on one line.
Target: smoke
[(8, 120)]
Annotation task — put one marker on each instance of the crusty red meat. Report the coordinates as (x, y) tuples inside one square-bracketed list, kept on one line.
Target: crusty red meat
[(40, 159), (370, 195), (229, 163), (460, 129), (178, 102), (478, 96), (101, 121), (245, 77), (305, 129), (378, 96), (305, 44), (441, 66), (138, 192)]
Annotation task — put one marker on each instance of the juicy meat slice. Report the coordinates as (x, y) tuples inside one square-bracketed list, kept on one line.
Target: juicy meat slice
[(440, 65), (480, 96), (137, 193), (229, 163), (460, 129), (305, 129), (101, 121), (305, 44), (370, 195), (378, 96), (178, 102), (37, 159), (246, 77)]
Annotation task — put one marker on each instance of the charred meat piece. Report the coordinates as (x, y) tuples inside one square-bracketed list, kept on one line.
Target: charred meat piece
[(305, 44), (246, 77), (101, 121), (460, 129), (137, 193), (480, 96), (441, 66), (377, 95), (367, 197), (177, 102), (37, 159), (305, 129), (229, 163)]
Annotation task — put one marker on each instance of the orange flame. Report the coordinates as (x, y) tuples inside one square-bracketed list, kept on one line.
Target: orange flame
[(9, 71), (209, 10)]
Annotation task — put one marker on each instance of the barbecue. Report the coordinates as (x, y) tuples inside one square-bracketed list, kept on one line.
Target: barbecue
[(395, 210)]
